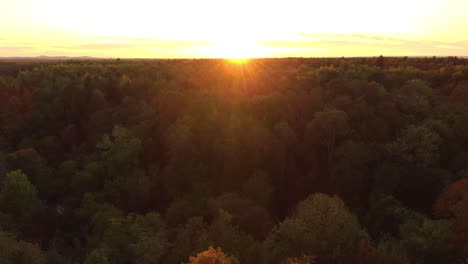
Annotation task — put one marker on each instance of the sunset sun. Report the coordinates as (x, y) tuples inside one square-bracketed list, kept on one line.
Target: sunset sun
[(236, 50)]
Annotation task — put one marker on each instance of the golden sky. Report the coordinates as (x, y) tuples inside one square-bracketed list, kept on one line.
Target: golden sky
[(240, 28)]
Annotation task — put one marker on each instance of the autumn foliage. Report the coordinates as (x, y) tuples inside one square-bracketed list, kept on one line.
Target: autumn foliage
[(212, 256)]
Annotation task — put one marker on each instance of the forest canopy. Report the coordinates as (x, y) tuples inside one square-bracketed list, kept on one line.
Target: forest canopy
[(294, 160)]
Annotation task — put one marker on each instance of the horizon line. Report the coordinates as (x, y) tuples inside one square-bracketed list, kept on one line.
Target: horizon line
[(224, 58)]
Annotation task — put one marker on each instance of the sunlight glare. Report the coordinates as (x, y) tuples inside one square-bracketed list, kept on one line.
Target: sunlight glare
[(238, 60), (236, 50)]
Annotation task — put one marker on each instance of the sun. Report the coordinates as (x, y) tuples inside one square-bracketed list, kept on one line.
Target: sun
[(236, 50), (238, 60)]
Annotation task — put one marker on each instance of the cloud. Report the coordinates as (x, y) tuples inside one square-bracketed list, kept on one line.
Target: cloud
[(304, 45), (453, 45), (369, 45), (147, 40), (354, 38), (109, 42), (128, 47), (14, 48)]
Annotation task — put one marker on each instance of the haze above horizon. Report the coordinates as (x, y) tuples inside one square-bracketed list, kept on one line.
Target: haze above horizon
[(233, 29)]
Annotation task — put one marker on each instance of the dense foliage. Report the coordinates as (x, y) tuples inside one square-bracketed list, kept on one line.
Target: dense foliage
[(360, 160)]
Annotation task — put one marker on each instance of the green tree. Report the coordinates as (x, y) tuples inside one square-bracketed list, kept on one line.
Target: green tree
[(326, 128), (136, 238), (288, 239), (97, 256), (35, 166), (223, 233), (418, 145), (415, 97), (384, 217), (389, 251), (351, 172), (18, 196), (120, 153), (321, 226), (330, 223), (251, 217), (427, 241), (189, 239)]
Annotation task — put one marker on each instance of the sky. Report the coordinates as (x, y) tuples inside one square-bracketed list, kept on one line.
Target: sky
[(240, 28)]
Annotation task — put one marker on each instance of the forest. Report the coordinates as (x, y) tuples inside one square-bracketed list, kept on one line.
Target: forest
[(204, 161)]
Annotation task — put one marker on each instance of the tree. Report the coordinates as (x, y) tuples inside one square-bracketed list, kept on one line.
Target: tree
[(351, 172), (97, 101), (97, 256), (188, 240), (452, 204), (120, 152), (34, 165), (187, 170), (385, 216), (301, 260), (329, 222), (223, 233), (136, 238), (380, 61), (450, 199), (389, 251), (460, 227), (251, 217), (321, 226), (290, 238), (418, 145), (415, 97), (18, 196), (15, 115), (426, 241), (213, 256), (18, 251), (258, 188), (100, 215), (326, 127), (458, 96)]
